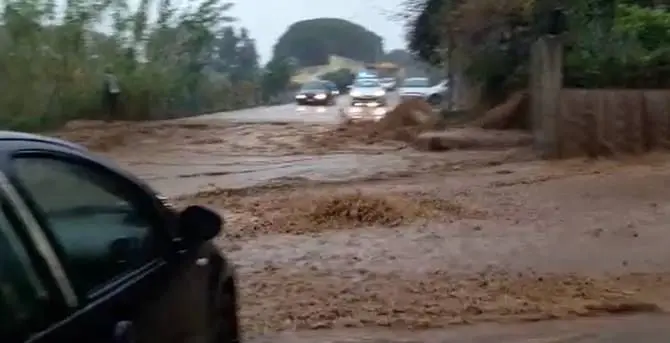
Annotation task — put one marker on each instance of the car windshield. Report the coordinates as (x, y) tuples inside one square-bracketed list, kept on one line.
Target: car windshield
[(416, 83), (313, 86), (366, 83)]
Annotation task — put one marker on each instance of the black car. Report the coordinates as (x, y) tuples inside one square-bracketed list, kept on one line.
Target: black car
[(332, 87), (315, 93), (90, 253)]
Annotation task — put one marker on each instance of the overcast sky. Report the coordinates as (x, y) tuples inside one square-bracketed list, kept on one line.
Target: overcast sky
[(268, 19)]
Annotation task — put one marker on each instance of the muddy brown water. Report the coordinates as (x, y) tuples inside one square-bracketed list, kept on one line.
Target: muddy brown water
[(592, 219), (647, 328), (249, 171)]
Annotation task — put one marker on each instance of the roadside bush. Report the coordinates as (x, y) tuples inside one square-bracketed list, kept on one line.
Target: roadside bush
[(341, 78), (634, 54), (609, 44), (53, 61)]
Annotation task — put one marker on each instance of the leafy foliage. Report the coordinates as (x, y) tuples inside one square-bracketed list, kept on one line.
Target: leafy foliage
[(311, 42), (608, 45), (424, 38), (52, 61), (277, 78), (633, 54), (341, 78)]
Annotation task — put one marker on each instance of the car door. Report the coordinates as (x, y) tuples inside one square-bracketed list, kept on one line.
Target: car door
[(114, 255), (27, 299)]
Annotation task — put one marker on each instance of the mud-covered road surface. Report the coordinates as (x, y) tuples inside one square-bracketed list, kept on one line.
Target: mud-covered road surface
[(344, 238)]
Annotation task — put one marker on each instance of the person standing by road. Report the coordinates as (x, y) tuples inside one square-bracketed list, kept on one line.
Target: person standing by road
[(112, 91)]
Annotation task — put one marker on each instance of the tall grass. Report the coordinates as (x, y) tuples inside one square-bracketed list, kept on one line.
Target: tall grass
[(52, 60)]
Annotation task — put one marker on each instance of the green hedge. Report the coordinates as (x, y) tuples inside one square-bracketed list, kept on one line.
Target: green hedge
[(635, 53)]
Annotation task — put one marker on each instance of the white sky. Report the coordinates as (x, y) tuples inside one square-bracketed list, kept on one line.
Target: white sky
[(268, 19)]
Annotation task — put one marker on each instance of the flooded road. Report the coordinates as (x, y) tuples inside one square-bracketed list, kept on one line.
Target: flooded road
[(651, 329), (249, 171), (292, 113), (343, 238)]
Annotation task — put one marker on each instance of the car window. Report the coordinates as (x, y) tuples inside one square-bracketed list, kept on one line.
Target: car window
[(416, 83), (92, 217), (313, 86), (366, 83), (21, 292)]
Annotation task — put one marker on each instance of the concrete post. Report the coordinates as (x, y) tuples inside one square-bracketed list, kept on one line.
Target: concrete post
[(546, 81)]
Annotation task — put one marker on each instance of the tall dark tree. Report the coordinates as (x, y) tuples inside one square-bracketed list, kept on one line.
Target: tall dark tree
[(311, 42), (225, 59), (276, 77), (424, 36), (247, 67)]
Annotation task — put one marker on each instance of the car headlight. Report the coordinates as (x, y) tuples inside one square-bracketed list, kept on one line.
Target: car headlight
[(380, 93), (355, 94), (320, 96), (300, 96)]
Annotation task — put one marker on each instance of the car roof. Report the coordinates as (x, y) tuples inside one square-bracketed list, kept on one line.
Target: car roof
[(29, 137)]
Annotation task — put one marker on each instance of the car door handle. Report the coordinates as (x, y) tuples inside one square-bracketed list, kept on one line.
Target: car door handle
[(124, 332)]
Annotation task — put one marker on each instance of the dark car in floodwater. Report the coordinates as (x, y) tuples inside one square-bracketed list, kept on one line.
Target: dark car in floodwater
[(89, 253), (332, 87), (315, 93)]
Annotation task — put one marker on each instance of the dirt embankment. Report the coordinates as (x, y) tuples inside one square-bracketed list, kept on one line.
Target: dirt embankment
[(416, 123), (403, 123)]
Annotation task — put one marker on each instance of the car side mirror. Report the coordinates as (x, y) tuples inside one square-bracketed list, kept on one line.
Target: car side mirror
[(199, 224)]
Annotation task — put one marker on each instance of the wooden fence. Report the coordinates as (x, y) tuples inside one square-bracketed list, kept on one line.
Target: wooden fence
[(609, 122)]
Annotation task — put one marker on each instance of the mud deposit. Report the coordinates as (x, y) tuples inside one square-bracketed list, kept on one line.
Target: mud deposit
[(334, 228), (313, 300), (310, 212)]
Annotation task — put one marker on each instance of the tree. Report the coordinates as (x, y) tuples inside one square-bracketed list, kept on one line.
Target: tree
[(311, 42), (399, 56), (276, 78), (247, 67), (424, 36), (341, 78), (491, 40), (58, 59), (225, 59), (236, 55)]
